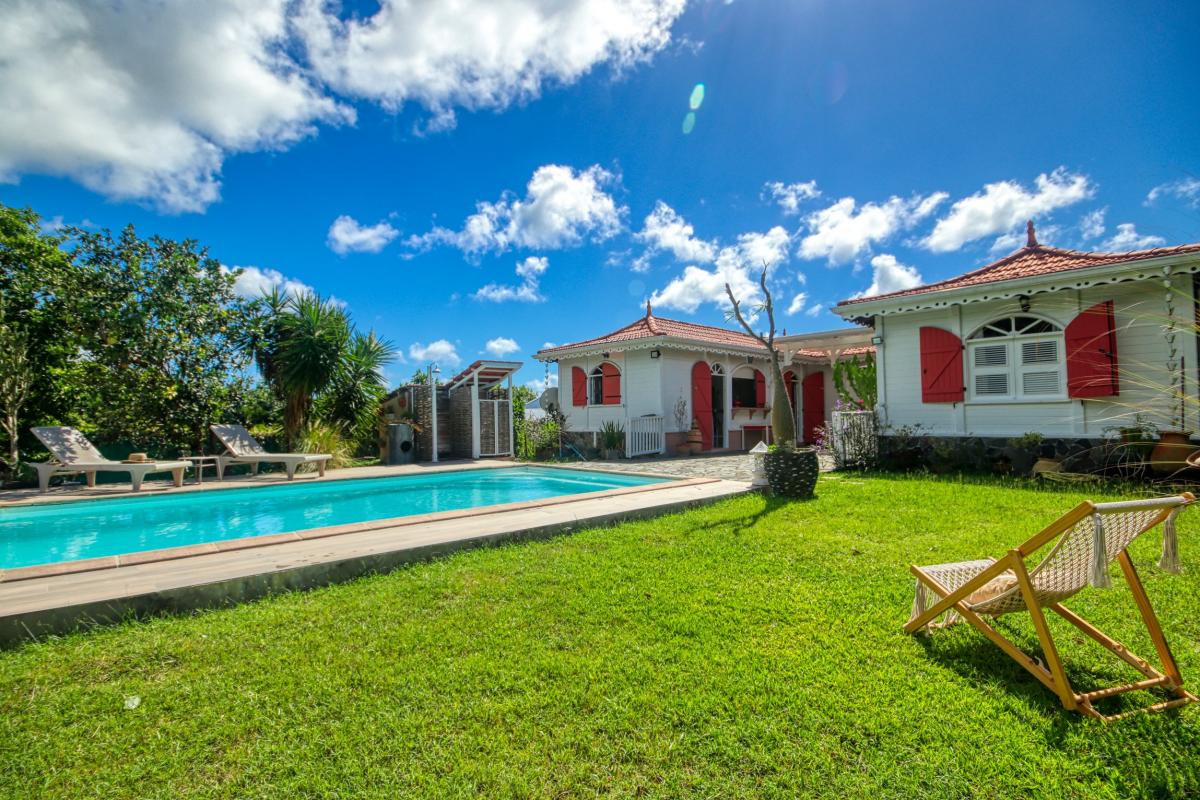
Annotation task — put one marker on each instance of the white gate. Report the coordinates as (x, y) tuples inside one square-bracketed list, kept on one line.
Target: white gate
[(494, 428), (644, 436), (853, 438)]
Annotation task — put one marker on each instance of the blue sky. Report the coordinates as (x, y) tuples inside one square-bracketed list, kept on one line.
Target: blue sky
[(512, 171)]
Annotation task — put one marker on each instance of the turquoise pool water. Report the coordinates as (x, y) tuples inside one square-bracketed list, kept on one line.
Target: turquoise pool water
[(45, 534)]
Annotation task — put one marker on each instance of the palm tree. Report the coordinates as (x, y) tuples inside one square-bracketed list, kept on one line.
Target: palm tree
[(313, 340), (358, 387)]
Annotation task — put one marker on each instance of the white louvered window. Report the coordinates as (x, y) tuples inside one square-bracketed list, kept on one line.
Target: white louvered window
[(1017, 358)]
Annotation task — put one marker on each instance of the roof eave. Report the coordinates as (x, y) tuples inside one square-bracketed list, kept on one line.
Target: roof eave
[(999, 290), (645, 343)]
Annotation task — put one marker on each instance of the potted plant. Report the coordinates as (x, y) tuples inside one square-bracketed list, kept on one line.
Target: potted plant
[(791, 470), (612, 440), (680, 412)]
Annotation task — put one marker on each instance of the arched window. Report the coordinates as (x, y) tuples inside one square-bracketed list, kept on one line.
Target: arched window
[(1017, 358), (604, 385)]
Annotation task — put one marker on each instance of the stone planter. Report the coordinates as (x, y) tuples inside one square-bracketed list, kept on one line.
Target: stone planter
[(683, 450), (792, 473)]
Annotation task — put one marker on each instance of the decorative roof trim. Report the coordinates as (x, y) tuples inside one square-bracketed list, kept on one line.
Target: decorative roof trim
[(1083, 278), (649, 343)]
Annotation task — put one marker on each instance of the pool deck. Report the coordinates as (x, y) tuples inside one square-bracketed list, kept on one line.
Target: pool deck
[(41, 601)]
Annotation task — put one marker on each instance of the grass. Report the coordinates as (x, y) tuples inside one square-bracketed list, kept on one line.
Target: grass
[(748, 649)]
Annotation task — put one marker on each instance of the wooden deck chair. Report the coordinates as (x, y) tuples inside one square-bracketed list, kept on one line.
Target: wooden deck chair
[(1089, 538)]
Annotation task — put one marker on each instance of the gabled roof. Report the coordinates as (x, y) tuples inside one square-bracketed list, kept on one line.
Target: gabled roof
[(1031, 261), (652, 327)]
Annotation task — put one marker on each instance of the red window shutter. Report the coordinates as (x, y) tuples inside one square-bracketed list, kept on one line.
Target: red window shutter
[(578, 387), (610, 384), (760, 390), (941, 366), (1091, 342)]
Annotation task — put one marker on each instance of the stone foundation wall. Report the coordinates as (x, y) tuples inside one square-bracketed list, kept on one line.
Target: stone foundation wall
[(993, 453)]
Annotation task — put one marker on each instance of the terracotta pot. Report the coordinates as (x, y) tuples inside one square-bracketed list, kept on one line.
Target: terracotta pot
[(1171, 453), (683, 450), (695, 440)]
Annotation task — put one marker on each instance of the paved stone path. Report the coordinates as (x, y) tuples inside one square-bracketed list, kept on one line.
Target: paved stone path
[(735, 467)]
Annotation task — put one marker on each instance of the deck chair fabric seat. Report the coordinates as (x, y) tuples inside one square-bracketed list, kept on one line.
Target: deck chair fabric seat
[(242, 448), (72, 454), (1083, 543)]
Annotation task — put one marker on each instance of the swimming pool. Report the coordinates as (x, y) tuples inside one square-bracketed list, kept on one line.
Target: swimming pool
[(56, 532)]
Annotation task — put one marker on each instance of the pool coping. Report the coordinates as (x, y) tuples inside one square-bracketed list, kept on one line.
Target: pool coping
[(242, 543)]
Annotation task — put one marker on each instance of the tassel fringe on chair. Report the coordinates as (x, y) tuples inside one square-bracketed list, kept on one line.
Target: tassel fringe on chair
[(1169, 562), (1099, 572)]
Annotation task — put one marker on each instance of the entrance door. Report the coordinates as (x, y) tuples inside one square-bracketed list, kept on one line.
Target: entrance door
[(718, 405), (702, 401), (812, 395)]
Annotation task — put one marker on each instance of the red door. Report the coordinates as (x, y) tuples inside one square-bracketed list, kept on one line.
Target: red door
[(812, 395), (702, 401)]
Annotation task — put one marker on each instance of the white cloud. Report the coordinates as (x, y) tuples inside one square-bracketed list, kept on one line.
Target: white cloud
[(1127, 238), (502, 346), (890, 276), (347, 235), (737, 265), (1004, 206), (441, 352), (1091, 224), (143, 100), (530, 271), (562, 207), (789, 196), (664, 229), (478, 54), (254, 282), (540, 385), (814, 311), (845, 231), (1187, 189), (797, 304)]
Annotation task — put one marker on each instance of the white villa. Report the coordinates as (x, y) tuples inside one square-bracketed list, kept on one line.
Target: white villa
[(639, 375), (1059, 342)]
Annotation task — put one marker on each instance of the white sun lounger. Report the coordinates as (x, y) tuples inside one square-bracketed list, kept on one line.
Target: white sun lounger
[(71, 453), (242, 448)]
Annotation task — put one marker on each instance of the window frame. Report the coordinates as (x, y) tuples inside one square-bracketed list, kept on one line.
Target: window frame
[(596, 374), (1013, 341)]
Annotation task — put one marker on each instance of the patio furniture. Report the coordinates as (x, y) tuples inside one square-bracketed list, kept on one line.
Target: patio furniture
[(71, 453), (242, 448), (200, 462), (1083, 543)]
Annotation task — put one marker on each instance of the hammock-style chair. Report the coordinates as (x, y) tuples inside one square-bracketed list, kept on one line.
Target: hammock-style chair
[(1089, 538)]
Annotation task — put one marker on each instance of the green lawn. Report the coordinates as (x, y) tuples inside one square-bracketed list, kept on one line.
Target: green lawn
[(748, 649)]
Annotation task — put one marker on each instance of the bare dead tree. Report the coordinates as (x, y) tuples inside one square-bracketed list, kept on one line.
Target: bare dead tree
[(782, 421)]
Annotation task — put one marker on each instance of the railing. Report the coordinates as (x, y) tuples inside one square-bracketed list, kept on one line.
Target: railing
[(644, 436)]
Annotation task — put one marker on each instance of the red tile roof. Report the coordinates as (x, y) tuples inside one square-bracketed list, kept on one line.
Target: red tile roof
[(1030, 261), (651, 326)]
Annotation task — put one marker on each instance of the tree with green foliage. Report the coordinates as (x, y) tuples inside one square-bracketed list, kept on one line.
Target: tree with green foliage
[(16, 379), (39, 289), (855, 381), (358, 386), (158, 321)]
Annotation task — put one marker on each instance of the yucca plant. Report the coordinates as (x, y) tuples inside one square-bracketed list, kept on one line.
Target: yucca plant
[(324, 437)]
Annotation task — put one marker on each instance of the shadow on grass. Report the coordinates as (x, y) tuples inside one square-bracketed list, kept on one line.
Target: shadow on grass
[(965, 650)]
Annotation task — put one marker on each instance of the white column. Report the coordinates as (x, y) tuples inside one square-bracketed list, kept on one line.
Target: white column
[(475, 416), (512, 445), (433, 404)]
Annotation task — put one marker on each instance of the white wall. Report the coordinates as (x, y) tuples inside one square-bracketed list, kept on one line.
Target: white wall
[(1141, 356)]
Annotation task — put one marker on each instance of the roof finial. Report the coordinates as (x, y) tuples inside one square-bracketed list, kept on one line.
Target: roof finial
[(1030, 236), (649, 312)]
